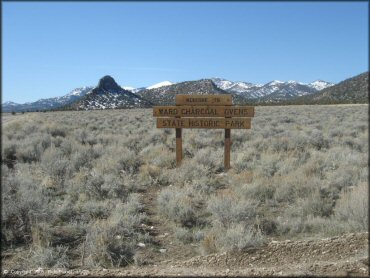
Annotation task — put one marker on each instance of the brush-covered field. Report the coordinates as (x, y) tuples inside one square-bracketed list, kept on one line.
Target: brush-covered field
[(100, 189)]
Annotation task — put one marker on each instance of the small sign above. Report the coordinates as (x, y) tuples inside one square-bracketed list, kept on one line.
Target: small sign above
[(203, 99)]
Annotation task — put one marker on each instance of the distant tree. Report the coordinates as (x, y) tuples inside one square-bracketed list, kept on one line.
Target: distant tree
[(13, 113)]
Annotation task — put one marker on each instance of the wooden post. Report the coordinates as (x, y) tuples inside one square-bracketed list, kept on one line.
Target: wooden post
[(178, 146), (227, 149)]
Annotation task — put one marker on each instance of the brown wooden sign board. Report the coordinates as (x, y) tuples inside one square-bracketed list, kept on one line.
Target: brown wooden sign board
[(203, 111), (214, 123), (203, 99)]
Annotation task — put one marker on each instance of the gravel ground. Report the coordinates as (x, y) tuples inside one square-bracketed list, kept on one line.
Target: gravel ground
[(338, 256)]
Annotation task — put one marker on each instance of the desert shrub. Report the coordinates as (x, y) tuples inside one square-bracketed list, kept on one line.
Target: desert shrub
[(343, 178), (66, 147), (50, 257), (106, 165), (317, 205), (181, 206), (81, 136), (260, 189), (208, 185), (105, 248), (209, 158), (133, 204), (93, 210), (184, 235), (114, 186), (94, 187), (245, 160), (281, 144), (208, 244), (284, 192), (9, 151), (198, 235), (187, 172), (143, 180), (29, 150), (46, 142), (111, 242), (91, 140), (66, 212), (128, 162), (22, 197), (240, 237), (227, 210), (150, 171), (325, 227), (57, 141), (55, 130), (54, 163), (269, 165), (46, 234), (83, 157), (352, 207), (235, 237), (290, 225)]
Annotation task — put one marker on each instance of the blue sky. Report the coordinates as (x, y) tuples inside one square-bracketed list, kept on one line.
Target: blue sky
[(51, 48)]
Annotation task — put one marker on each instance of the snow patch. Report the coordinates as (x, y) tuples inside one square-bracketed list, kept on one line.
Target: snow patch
[(320, 85), (160, 84)]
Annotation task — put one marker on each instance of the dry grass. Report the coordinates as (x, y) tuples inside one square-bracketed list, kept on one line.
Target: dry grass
[(300, 171)]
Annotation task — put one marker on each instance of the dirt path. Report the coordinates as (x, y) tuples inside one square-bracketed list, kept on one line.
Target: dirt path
[(345, 255), (165, 245)]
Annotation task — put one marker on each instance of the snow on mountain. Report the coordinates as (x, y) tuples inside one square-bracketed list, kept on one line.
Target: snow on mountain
[(133, 90), (320, 85), (48, 103), (160, 84), (10, 103), (79, 91), (128, 88), (274, 82), (223, 84), (278, 90)]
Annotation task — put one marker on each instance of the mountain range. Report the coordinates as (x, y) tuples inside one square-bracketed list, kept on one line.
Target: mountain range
[(351, 90), (108, 94)]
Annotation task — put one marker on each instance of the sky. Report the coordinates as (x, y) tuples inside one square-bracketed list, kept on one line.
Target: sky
[(48, 49)]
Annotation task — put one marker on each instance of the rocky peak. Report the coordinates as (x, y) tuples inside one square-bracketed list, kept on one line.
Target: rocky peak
[(107, 84)]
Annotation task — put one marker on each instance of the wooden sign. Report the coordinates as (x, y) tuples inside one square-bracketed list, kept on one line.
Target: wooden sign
[(203, 111), (203, 100), (220, 123)]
